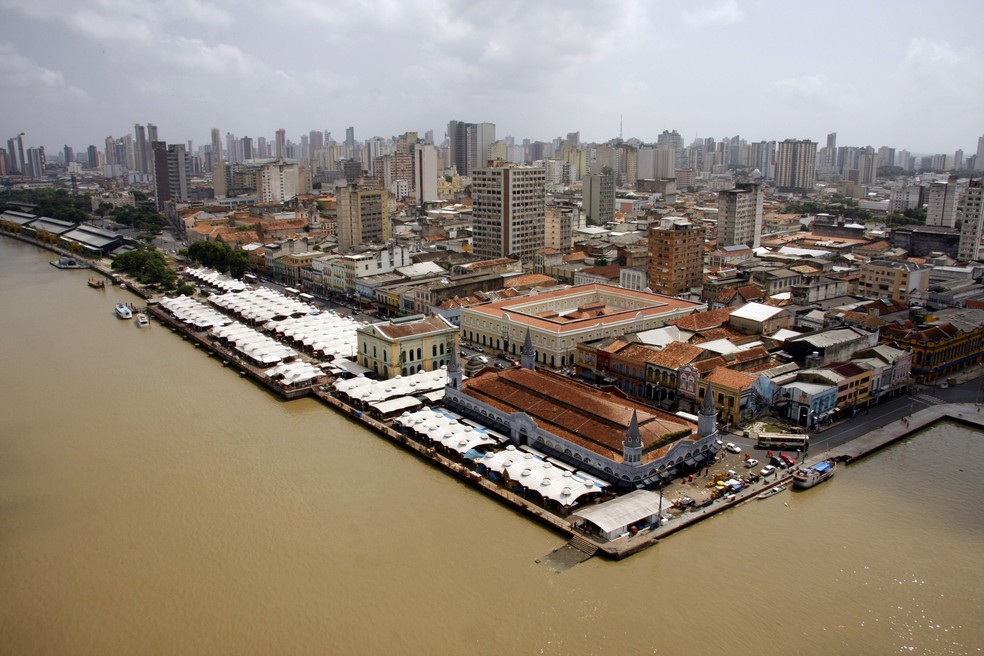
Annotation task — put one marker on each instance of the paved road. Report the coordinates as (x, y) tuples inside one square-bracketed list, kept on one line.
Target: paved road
[(878, 415)]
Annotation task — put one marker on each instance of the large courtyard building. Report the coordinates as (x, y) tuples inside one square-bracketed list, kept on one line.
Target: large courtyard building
[(508, 209), (558, 321), (604, 435)]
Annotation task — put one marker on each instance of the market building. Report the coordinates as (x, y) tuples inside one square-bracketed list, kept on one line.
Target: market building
[(625, 443)]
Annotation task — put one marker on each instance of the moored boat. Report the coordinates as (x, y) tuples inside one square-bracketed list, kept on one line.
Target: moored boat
[(69, 263), (97, 284), (772, 492), (123, 312), (142, 320), (805, 477)]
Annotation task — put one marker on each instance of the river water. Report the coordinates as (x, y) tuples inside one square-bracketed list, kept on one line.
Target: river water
[(154, 502)]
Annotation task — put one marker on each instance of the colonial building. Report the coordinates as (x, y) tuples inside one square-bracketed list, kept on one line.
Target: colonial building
[(604, 435), (407, 345)]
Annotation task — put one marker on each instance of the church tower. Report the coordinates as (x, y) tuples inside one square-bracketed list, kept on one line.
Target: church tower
[(527, 356), (707, 416), (632, 446)]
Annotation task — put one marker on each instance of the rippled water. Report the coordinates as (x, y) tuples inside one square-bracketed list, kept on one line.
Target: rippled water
[(152, 501)]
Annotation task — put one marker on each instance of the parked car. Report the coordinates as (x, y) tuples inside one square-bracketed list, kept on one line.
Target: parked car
[(732, 447), (751, 462), (768, 470), (787, 461)]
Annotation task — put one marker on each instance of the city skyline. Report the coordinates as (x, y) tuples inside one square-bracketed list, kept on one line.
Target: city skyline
[(710, 69)]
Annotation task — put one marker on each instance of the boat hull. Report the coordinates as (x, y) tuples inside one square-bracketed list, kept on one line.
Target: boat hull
[(809, 476)]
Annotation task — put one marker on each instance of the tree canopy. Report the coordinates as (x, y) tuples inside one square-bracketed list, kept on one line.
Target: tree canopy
[(220, 256), (148, 265)]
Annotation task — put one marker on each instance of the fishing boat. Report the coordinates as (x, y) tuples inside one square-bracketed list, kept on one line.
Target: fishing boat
[(142, 320), (97, 284), (123, 312), (809, 476), (771, 492)]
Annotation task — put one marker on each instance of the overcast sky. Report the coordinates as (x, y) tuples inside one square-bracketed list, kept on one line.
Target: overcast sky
[(877, 72)]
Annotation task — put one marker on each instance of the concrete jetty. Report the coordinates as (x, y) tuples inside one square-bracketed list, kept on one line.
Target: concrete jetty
[(968, 414)]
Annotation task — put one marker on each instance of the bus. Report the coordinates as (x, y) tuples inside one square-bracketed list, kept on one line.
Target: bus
[(784, 441), (292, 292)]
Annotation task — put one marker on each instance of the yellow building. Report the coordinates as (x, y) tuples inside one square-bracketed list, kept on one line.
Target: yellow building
[(407, 345), (732, 392)]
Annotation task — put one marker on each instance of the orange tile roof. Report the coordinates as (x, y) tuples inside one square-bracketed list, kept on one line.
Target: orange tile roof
[(699, 321), (730, 379), (592, 419), (676, 354)]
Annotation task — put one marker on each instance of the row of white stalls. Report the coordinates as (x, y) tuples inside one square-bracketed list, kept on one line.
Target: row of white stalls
[(215, 280), (382, 397), (524, 470), (282, 364), (261, 305)]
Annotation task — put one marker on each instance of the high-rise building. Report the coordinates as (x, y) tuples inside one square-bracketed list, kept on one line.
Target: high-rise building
[(970, 213), (231, 149), (141, 147), (508, 204), (277, 182), (69, 154), (763, 158), (216, 153), (246, 148), (599, 198), (363, 214), (868, 166), (15, 154), (280, 151), (979, 161), (425, 173), (676, 256), (470, 145), (172, 173), (92, 155), (796, 162), (262, 151), (941, 203), (739, 218), (35, 164)]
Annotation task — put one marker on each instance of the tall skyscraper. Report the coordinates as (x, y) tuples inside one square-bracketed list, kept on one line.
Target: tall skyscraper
[(141, 147), (35, 164), (281, 148), (216, 147), (979, 161), (69, 154), (172, 172), (470, 145), (796, 162), (246, 148), (509, 211), (425, 173), (676, 256), (151, 132), (598, 198), (231, 150), (363, 214), (941, 203), (739, 218), (970, 213), (92, 155), (868, 166)]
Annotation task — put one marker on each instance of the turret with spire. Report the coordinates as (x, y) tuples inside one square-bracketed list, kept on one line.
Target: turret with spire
[(527, 355), (707, 416), (632, 445), (454, 370)]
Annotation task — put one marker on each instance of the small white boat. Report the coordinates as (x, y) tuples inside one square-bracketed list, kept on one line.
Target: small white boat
[(809, 476), (142, 320), (123, 312), (771, 492)]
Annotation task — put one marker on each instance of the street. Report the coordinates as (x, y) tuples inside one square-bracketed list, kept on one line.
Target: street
[(882, 413)]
